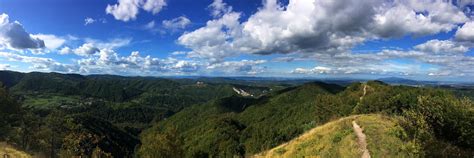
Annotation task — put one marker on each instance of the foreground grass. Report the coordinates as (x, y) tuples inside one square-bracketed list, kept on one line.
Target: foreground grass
[(12, 152), (337, 139)]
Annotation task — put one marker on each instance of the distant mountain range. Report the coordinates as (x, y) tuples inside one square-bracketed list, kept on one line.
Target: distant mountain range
[(397, 80), (9, 78)]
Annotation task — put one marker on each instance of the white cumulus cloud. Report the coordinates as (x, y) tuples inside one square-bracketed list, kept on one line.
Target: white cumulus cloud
[(39, 63), (219, 8), (317, 26), (65, 50), (13, 35), (176, 23), (51, 41), (442, 46), (86, 49), (126, 10), (88, 21), (466, 32)]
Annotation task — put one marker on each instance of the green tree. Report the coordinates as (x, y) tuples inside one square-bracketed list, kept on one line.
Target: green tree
[(56, 128), (165, 144), (27, 130), (80, 144), (10, 112)]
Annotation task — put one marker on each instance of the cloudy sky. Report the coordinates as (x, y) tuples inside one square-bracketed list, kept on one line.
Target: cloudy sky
[(417, 39)]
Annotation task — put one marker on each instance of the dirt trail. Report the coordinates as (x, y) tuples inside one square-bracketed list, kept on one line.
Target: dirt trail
[(361, 139), (365, 92)]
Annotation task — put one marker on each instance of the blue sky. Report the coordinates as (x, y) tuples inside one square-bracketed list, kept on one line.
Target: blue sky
[(292, 38)]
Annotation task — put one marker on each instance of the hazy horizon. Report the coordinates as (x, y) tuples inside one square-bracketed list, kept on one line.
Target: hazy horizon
[(289, 78)]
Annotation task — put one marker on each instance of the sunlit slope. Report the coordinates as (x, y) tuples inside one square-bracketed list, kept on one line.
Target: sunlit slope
[(416, 122), (337, 139), (12, 152), (244, 126)]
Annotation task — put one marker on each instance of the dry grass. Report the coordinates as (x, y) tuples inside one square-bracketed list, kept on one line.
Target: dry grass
[(337, 139), (6, 149)]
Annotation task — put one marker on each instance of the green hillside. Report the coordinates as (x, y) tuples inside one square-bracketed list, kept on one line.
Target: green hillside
[(10, 78), (10, 111), (338, 139), (265, 122), (70, 115), (7, 150), (130, 102), (421, 116), (111, 88), (87, 135), (67, 115)]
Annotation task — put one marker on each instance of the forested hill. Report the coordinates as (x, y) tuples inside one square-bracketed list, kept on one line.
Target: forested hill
[(76, 114), (114, 88), (67, 115), (413, 119)]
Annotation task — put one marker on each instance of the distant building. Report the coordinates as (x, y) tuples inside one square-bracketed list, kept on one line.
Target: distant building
[(200, 84)]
